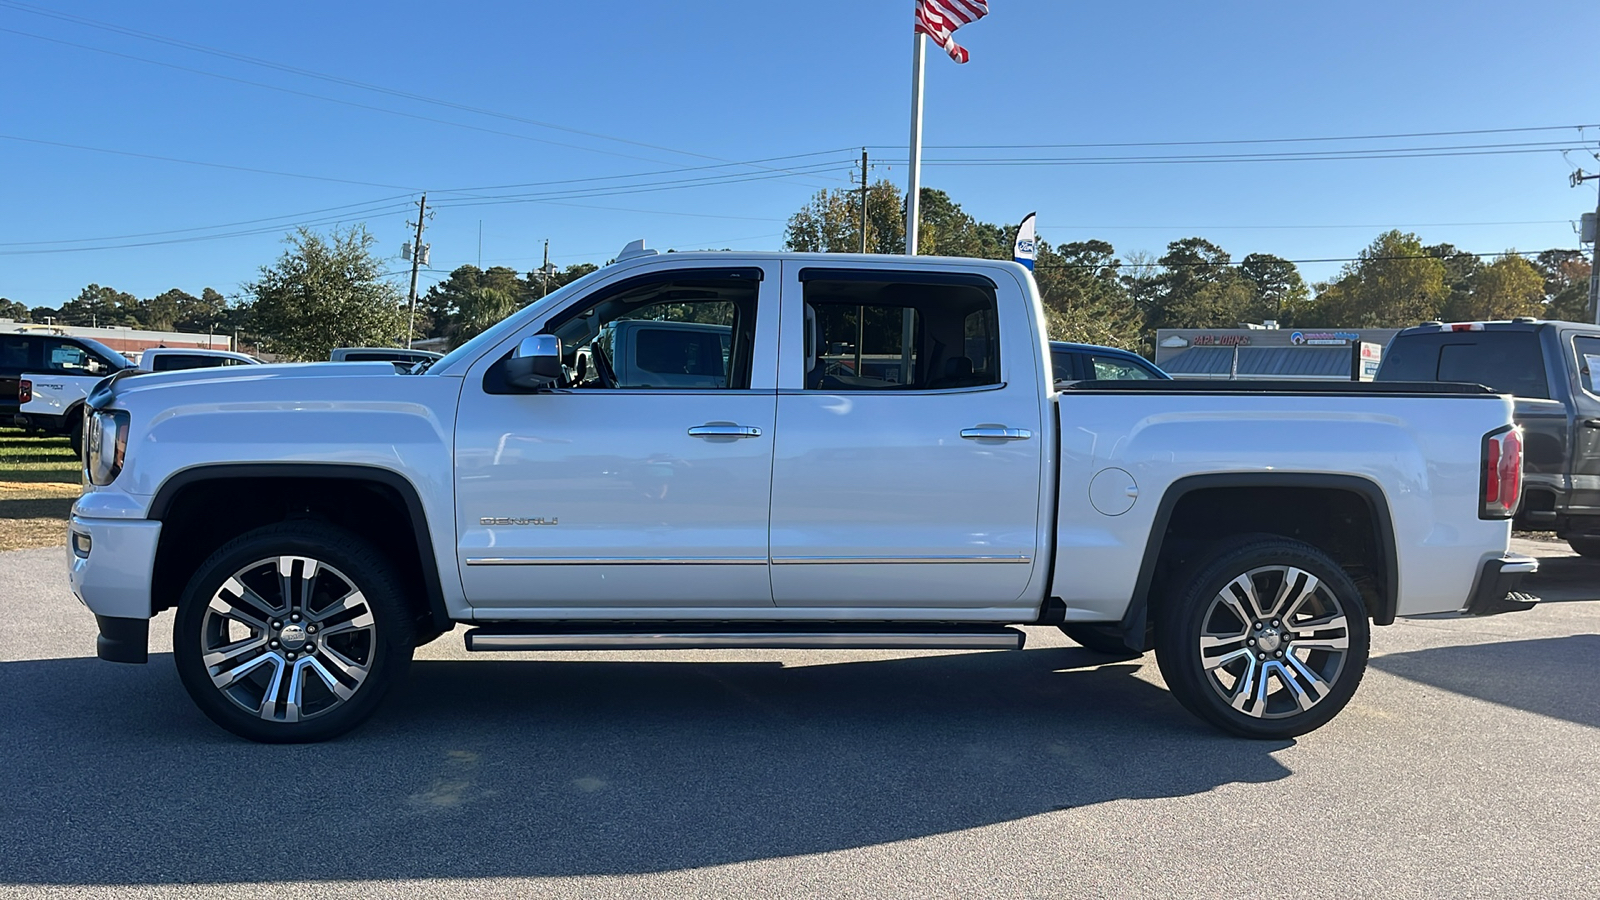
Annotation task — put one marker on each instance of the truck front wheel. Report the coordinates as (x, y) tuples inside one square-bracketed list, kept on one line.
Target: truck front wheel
[(292, 632), (1268, 638)]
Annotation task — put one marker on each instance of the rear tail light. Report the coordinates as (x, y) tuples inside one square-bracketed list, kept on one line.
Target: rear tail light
[(1501, 481), (24, 391)]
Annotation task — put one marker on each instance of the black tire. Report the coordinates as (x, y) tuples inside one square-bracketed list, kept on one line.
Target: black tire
[(75, 434), (1101, 637), (1302, 656), (354, 597), (1584, 545)]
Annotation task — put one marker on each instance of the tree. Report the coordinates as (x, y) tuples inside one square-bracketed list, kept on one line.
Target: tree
[(1394, 284), (1197, 287), (1280, 292), (1084, 297), (477, 309), (96, 305), (1566, 285), (324, 292), (440, 309), (1460, 276), (1507, 288), (831, 222), (161, 312), (11, 309)]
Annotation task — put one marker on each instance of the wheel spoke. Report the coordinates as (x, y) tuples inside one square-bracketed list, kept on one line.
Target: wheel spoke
[(350, 601), (334, 684), (235, 650), (347, 667), (1231, 601), (227, 679), (1313, 680), (1217, 662), (236, 601), (1288, 601), (1245, 687)]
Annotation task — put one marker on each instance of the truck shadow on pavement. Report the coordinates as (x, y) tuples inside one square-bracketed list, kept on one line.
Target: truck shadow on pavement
[(1549, 676), (534, 768)]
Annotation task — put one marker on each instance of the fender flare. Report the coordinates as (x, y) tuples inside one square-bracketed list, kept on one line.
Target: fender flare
[(432, 586), (1135, 620)]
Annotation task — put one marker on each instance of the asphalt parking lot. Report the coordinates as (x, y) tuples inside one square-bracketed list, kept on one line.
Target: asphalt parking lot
[(1465, 767)]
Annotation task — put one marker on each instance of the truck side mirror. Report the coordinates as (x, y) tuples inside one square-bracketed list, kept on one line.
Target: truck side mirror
[(535, 364)]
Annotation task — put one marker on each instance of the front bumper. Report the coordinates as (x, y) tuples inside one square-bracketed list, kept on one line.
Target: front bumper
[(109, 564), (1498, 586)]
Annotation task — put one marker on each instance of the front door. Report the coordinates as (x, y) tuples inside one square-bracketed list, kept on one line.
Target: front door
[(910, 452), (644, 481)]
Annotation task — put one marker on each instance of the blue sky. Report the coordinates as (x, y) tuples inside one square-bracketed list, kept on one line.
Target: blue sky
[(641, 88)]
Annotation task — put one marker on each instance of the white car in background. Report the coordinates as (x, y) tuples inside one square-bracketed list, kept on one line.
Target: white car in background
[(172, 359)]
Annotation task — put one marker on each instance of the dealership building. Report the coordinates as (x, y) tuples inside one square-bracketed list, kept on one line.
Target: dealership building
[(127, 341), (1266, 352)]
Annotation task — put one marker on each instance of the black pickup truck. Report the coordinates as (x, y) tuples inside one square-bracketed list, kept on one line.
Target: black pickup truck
[(1550, 368)]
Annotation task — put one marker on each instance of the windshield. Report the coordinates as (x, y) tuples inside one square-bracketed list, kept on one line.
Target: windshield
[(498, 331)]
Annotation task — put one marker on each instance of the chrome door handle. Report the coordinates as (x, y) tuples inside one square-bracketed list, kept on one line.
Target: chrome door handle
[(719, 429), (996, 433)]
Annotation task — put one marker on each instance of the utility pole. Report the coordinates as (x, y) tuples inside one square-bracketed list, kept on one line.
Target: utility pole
[(863, 199), (416, 263), (544, 272), (1594, 261)]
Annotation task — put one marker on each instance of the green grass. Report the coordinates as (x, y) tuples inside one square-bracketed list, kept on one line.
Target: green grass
[(29, 459), (39, 480)]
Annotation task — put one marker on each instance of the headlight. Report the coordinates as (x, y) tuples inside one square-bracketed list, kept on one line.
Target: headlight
[(105, 443)]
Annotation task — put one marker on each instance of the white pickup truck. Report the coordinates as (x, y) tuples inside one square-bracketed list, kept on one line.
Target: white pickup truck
[(311, 525)]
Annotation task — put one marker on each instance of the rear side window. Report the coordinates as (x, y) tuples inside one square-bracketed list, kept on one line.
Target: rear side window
[(19, 354), (1509, 362), (1112, 368), (170, 362), (1061, 366), (885, 335)]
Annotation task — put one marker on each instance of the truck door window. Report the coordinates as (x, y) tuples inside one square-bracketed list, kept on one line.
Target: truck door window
[(1109, 368), (691, 334), (1588, 361), (887, 335), (70, 359)]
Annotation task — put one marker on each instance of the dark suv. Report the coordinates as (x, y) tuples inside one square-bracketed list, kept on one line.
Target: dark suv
[(1551, 369)]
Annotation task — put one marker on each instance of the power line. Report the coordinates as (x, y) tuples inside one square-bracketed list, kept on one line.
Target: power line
[(123, 237), (196, 162), (1236, 141), (1308, 156), (335, 79)]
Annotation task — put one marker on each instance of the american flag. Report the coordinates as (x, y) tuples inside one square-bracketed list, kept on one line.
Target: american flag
[(939, 19)]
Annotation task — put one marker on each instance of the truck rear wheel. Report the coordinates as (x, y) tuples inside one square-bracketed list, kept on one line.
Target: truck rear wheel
[(292, 633), (1267, 639), (1583, 545)]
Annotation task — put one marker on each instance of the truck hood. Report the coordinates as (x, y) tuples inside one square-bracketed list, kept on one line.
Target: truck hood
[(134, 381)]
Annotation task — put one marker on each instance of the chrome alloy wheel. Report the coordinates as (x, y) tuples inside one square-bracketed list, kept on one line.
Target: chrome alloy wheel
[(288, 638), (1274, 641)]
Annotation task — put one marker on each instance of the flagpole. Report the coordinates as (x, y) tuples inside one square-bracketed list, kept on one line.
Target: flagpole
[(914, 192)]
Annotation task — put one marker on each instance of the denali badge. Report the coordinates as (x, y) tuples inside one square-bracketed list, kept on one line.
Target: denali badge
[(518, 520)]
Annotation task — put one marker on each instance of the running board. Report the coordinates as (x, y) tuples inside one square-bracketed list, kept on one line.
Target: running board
[(741, 636)]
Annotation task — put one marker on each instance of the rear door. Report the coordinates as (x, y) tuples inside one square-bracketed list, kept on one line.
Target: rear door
[(910, 441), (1586, 433)]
